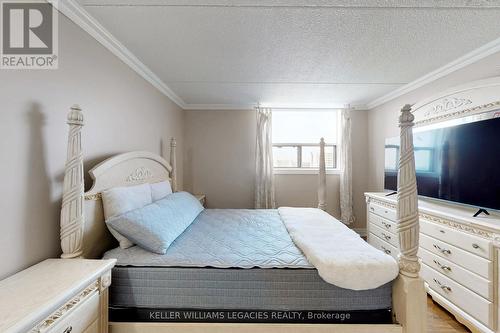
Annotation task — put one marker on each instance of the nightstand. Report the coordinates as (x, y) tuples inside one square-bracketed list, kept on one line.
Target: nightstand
[(57, 295), (201, 198)]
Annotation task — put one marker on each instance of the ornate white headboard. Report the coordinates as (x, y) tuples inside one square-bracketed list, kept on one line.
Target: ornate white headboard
[(466, 100), (83, 231), (127, 169)]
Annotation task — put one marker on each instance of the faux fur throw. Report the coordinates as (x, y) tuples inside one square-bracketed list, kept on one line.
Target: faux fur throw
[(339, 254)]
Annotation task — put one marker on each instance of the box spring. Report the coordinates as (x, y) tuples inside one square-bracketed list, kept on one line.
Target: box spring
[(284, 295)]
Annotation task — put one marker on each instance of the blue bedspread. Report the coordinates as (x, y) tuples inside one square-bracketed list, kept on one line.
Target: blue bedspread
[(222, 238)]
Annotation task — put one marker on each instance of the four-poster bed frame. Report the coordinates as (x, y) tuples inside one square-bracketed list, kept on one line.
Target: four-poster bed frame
[(84, 234)]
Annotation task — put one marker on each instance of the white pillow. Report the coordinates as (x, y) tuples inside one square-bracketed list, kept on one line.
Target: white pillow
[(119, 200), (160, 190)]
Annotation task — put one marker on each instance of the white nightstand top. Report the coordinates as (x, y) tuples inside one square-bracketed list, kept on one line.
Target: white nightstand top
[(29, 296), (200, 196)]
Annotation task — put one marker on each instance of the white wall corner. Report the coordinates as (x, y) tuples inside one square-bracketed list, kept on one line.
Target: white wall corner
[(76, 13), (468, 59)]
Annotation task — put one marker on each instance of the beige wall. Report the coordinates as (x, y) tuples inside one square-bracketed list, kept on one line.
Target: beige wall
[(122, 113), (383, 120), (219, 162), (218, 156)]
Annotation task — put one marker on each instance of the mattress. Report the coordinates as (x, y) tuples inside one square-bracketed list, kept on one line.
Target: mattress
[(234, 265), (224, 238), (249, 295)]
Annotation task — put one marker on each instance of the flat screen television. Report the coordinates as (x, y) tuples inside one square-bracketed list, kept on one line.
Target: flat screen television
[(459, 162)]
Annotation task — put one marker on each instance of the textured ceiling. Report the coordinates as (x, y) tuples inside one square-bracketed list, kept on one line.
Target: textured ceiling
[(295, 53)]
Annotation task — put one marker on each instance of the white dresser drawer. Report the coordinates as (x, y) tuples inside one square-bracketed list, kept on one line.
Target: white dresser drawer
[(385, 235), (385, 212), (466, 278), (480, 246), (80, 318), (468, 301), (455, 249), (383, 246), (458, 256), (382, 223)]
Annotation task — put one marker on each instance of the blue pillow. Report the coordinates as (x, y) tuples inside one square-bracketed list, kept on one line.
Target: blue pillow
[(154, 227)]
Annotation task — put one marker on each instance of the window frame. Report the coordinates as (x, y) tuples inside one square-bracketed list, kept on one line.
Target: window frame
[(311, 171), (432, 166), (397, 157)]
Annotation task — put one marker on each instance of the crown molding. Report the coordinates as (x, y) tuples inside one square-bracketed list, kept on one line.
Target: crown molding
[(469, 58), (302, 3), (76, 13), (199, 107), (245, 107)]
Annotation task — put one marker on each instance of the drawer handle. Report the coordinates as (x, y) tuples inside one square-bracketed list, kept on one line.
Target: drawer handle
[(387, 237), (442, 286), (443, 267), (387, 251), (372, 209), (475, 246), (446, 288), (68, 329), (444, 251), (386, 211), (386, 225)]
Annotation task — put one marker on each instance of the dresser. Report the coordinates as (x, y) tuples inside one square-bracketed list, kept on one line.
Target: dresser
[(57, 296), (458, 255)]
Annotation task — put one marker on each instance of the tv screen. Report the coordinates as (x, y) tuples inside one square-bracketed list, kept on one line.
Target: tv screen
[(459, 163)]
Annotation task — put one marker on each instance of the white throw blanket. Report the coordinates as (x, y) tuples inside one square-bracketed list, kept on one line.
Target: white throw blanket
[(339, 254)]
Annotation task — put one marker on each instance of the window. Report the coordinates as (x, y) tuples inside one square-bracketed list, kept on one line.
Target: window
[(391, 157), (296, 136), (425, 154), (424, 159)]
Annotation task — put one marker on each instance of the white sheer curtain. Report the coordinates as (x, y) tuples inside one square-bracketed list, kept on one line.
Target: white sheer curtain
[(346, 206), (264, 178)]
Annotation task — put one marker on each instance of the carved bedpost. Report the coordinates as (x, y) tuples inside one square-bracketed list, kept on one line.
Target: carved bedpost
[(322, 176), (409, 296), (173, 164), (407, 200), (72, 219)]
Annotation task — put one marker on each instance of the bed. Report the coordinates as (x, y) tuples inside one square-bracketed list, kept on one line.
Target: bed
[(235, 265), (260, 279)]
